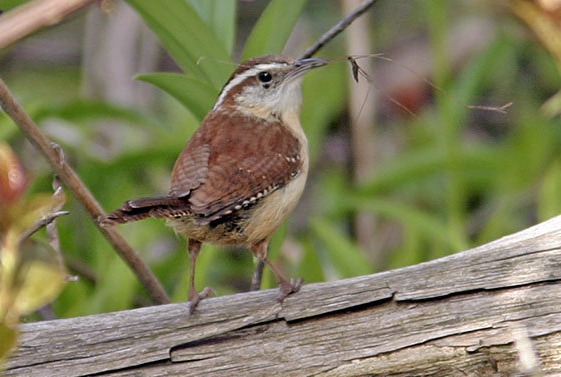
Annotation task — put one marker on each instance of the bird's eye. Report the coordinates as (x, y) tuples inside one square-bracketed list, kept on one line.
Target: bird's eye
[(264, 76)]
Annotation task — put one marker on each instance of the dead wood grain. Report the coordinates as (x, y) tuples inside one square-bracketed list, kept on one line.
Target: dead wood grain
[(452, 316)]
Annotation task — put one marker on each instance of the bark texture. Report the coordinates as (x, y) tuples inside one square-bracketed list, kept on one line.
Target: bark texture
[(462, 315)]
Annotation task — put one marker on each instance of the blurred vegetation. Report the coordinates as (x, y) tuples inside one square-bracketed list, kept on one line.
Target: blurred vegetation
[(450, 178), (30, 273)]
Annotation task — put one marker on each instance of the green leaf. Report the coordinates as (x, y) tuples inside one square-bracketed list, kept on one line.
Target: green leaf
[(424, 222), (410, 252), (275, 245), (422, 163), (10, 4), (206, 262), (273, 28), (221, 16), (38, 277), (7, 127), (196, 95), (115, 274), (552, 107), (43, 283), (346, 257), (187, 38), (87, 110), (276, 242), (324, 100), (549, 197), (310, 267)]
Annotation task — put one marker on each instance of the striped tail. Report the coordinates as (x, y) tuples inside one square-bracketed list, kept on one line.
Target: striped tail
[(138, 209)]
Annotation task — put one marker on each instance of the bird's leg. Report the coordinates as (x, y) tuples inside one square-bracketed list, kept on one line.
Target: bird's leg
[(194, 248), (257, 276), (286, 287)]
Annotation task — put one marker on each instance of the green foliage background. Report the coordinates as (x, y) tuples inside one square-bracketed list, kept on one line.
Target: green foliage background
[(443, 190)]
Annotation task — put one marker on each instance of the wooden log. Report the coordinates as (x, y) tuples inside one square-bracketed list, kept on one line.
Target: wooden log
[(454, 316)]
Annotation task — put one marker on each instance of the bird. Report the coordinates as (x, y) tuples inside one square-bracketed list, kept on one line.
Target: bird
[(242, 172)]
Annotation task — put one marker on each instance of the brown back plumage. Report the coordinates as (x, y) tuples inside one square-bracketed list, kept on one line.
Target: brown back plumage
[(232, 161), (228, 164)]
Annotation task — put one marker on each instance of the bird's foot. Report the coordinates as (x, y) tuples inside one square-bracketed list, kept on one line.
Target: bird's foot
[(289, 287), (196, 297)]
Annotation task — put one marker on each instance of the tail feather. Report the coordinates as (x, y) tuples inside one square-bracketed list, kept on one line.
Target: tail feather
[(138, 209)]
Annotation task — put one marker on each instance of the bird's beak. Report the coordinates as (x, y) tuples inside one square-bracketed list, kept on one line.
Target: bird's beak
[(304, 65)]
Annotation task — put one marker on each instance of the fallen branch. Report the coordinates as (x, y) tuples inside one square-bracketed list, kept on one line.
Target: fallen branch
[(475, 313)]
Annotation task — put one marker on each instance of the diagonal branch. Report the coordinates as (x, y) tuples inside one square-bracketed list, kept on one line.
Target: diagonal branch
[(55, 156), (335, 30)]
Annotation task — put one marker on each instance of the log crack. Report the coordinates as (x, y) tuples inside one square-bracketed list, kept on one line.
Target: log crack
[(448, 317)]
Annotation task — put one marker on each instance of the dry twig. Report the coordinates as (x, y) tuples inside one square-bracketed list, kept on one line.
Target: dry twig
[(356, 70), (335, 30), (52, 231), (45, 220)]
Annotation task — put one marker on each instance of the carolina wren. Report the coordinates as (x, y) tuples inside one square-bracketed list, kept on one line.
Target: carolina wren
[(244, 169)]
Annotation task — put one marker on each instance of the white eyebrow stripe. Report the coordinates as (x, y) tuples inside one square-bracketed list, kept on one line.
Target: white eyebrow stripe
[(234, 82), (265, 66), (241, 77)]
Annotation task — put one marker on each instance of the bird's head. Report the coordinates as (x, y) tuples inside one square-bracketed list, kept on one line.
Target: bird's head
[(267, 85)]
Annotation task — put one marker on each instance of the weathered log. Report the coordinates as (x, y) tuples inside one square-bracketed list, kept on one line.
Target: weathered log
[(454, 316)]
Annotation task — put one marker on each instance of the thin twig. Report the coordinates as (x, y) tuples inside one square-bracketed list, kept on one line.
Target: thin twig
[(28, 18), (52, 232), (499, 109), (82, 270), (55, 157), (59, 197), (45, 220), (358, 71), (342, 25)]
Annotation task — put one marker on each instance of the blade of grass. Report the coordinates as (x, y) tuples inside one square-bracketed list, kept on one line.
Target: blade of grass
[(221, 16), (344, 254), (187, 38), (408, 216), (270, 33), (549, 198), (195, 94), (310, 267), (426, 162), (319, 110), (86, 110)]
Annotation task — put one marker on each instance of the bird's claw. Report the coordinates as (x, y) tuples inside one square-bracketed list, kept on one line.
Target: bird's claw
[(289, 287), (196, 297)]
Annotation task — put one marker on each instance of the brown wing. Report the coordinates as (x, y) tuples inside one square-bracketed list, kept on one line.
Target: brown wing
[(247, 159), (191, 167)]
